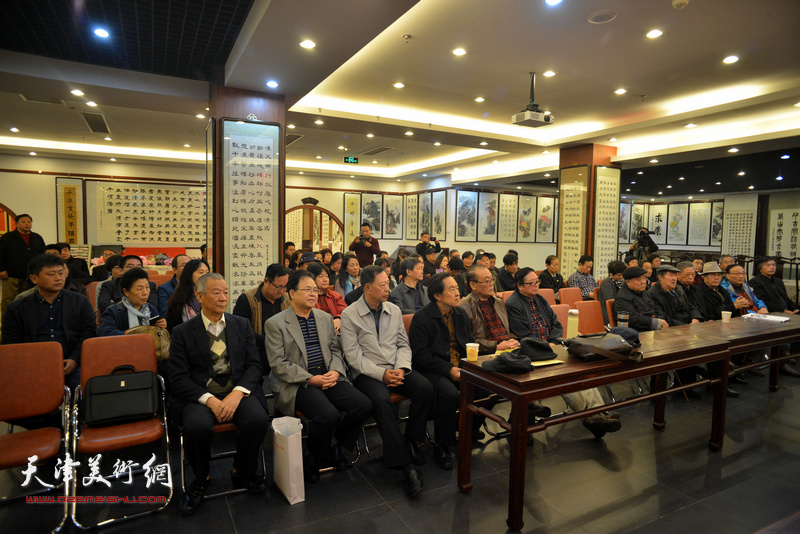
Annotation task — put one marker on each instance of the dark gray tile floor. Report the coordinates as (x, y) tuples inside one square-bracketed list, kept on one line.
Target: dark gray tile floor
[(636, 480)]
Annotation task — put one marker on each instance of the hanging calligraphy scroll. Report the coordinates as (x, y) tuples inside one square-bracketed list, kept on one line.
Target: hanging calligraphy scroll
[(606, 211), (425, 213), (657, 224), (699, 223), (412, 213), (393, 216), (624, 223), (739, 232), (573, 217), (251, 193), (507, 218), (439, 215), (69, 201), (717, 211), (352, 217), (783, 232)]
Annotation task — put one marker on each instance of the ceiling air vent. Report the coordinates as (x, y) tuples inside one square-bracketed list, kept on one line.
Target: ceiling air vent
[(292, 138), (96, 122), (376, 151), (42, 100)]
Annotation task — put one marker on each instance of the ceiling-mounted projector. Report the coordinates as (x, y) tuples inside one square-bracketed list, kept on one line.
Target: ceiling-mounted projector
[(531, 116)]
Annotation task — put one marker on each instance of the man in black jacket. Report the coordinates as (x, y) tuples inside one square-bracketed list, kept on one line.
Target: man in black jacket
[(438, 336), (17, 248), (686, 278), (713, 300), (51, 314), (530, 315), (78, 268), (506, 273), (425, 242), (671, 300), (111, 291), (643, 315), (770, 289)]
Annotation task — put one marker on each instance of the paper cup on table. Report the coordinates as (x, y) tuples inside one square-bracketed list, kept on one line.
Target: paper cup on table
[(726, 317), (472, 352)]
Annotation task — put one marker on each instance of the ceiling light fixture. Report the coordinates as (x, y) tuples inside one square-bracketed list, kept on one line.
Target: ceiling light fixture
[(308, 44), (91, 104), (437, 143), (785, 156), (654, 160), (652, 200), (719, 183), (621, 91), (779, 178), (424, 175), (660, 192), (702, 190), (291, 126), (654, 34), (77, 92), (549, 74), (113, 159), (612, 139), (370, 135), (200, 116), (552, 2), (32, 153), (741, 173), (272, 84), (495, 161), (483, 143), (669, 187), (690, 197), (14, 129), (628, 190), (459, 52), (733, 150), (552, 181), (100, 32), (352, 176), (187, 145), (409, 132), (730, 60), (340, 147), (399, 85), (519, 187), (640, 172), (681, 178), (547, 175), (107, 138), (476, 183), (623, 196), (479, 99), (690, 125), (398, 179), (374, 161), (633, 183), (751, 187), (319, 121), (301, 172), (318, 157)]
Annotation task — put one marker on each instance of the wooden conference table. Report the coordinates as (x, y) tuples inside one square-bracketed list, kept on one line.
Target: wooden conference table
[(665, 350)]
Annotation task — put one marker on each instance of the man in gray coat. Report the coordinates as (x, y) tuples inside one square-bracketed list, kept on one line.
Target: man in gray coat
[(310, 376)]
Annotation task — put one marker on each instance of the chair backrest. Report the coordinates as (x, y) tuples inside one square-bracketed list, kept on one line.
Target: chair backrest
[(590, 317), (100, 355), (159, 279), (33, 379), (549, 295), (562, 312), (569, 296), (407, 321), (91, 292), (507, 294), (596, 292), (612, 317)]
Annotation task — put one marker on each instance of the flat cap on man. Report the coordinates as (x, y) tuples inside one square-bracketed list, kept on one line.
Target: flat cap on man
[(633, 272)]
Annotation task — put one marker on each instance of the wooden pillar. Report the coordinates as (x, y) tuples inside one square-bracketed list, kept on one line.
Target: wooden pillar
[(242, 104)]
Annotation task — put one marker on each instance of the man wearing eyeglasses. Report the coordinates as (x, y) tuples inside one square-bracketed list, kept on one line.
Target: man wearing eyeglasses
[(309, 375), (530, 315), (262, 302)]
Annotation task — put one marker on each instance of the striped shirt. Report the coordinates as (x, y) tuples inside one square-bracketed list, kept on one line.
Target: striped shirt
[(311, 338)]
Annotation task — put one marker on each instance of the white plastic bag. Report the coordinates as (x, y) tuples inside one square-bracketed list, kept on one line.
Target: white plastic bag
[(288, 458)]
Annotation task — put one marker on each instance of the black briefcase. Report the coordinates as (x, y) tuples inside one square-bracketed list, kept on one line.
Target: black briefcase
[(121, 398)]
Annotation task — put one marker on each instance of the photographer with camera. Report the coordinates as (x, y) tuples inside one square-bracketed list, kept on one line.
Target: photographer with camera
[(365, 246), (425, 242), (644, 247)]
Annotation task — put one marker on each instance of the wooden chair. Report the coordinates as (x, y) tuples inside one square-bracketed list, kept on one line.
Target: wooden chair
[(562, 312), (549, 295), (570, 295), (34, 386), (99, 356), (590, 317), (91, 292), (506, 294), (612, 316), (596, 292), (407, 321)]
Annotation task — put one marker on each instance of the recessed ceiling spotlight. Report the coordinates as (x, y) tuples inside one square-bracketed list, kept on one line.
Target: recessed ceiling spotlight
[(549, 74), (654, 34), (291, 126), (719, 183), (409, 132), (552, 2), (14, 129), (545, 151), (91, 104), (187, 145), (308, 44), (730, 59), (669, 187), (319, 121), (113, 159), (623, 196), (476, 183), (398, 179), (640, 172), (100, 32), (399, 85), (352, 176), (660, 192), (318, 157), (633, 183), (702, 190), (272, 84), (495, 161), (628, 190), (479, 99), (340, 147), (547, 175), (77, 92), (741, 173), (779, 178), (612, 139), (370, 135), (785, 156), (107, 138), (459, 52), (374, 161), (733, 150), (552, 181), (455, 169), (519, 187), (207, 109), (437, 143), (483, 143), (690, 197), (32, 153), (200, 116), (620, 91), (681, 178), (690, 125), (424, 175), (301, 172), (751, 187), (654, 160), (652, 200)]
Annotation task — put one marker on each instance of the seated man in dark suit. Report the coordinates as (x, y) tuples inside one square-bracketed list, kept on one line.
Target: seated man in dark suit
[(101, 272), (215, 375), (78, 268), (550, 277), (770, 288), (410, 295), (643, 315), (51, 314), (111, 292), (529, 314), (309, 375)]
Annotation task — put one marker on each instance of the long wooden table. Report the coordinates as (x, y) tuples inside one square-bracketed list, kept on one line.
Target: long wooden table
[(666, 350)]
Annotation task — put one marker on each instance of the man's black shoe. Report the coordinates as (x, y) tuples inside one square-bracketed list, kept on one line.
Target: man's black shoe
[(443, 457), (732, 393), (310, 466), (598, 424), (788, 370), (339, 459), (537, 411), (478, 435), (194, 495), (253, 483), (413, 483), (736, 379), (415, 451)]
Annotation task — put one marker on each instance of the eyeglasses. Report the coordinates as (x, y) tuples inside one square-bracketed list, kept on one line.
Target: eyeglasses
[(279, 288), (534, 283), (735, 273), (313, 290), (486, 281)]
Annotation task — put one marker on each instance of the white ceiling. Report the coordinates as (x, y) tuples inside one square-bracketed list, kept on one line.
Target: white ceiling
[(361, 51)]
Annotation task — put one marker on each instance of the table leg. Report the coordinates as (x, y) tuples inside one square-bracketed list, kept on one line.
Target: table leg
[(659, 420), (720, 369), (516, 482), (465, 436), (774, 368)]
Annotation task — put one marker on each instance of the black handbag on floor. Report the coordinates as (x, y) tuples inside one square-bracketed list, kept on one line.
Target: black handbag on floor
[(121, 398)]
